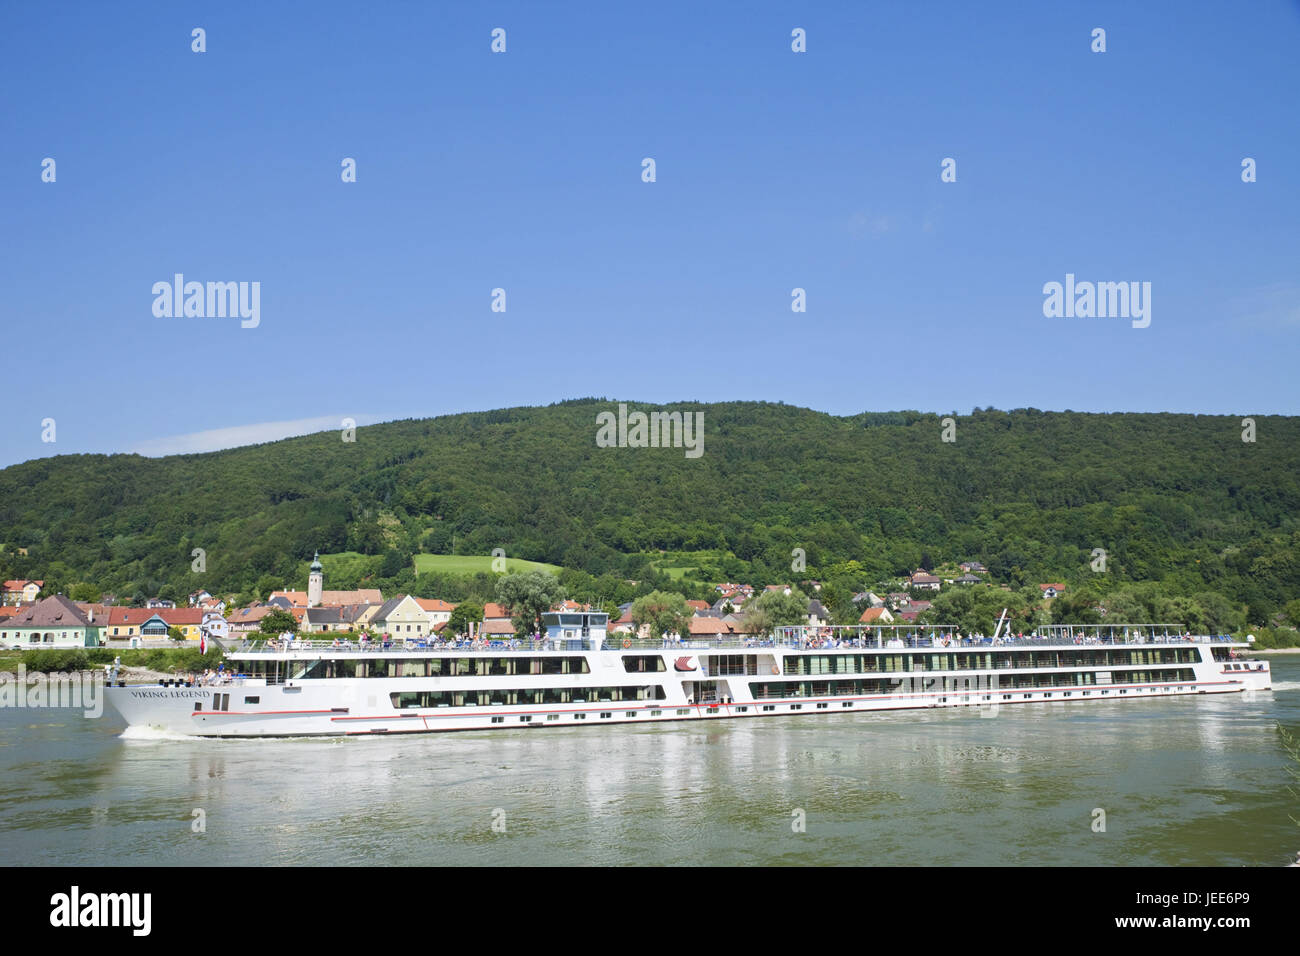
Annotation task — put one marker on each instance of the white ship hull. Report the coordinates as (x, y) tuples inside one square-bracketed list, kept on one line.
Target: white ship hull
[(695, 684)]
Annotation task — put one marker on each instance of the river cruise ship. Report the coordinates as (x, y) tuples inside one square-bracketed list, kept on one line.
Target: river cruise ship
[(577, 675)]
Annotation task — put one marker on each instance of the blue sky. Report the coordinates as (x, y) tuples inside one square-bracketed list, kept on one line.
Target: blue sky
[(522, 171)]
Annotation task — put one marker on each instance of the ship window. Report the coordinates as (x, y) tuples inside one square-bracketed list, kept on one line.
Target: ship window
[(847, 703), (605, 715), (769, 706), (683, 711), (498, 720), (656, 713), (252, 700), (198, 706), (630, 713), (579, 716), (742, 710), (526, 720), (552, 716)]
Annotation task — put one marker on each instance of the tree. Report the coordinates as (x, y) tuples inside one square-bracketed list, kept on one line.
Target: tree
[(780, 609), (277, 622), (1075, 608), (528, 595), (661, 613), (176, 634), (463, 615), (84, 592)]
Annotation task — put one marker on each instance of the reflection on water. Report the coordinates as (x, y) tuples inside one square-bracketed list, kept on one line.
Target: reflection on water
[(1181, 781)]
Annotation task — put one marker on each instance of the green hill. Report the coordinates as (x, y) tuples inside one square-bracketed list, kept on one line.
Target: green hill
[(1178, 499)]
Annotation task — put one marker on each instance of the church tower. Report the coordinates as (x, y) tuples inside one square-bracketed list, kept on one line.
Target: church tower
[(315, 581)]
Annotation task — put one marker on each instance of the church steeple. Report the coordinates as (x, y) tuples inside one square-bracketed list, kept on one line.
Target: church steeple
[(315, 582)]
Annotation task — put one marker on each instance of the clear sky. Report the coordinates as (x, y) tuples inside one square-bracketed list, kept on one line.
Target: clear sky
[(523, 170)]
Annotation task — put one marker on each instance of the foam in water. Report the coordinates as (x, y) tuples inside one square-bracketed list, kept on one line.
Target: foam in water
[(152, 733)]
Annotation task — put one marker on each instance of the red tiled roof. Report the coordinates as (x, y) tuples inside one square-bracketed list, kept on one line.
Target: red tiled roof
[(19, 585), (710, 625), (434, 604), (871, 614), (494, 610), (176, 616)]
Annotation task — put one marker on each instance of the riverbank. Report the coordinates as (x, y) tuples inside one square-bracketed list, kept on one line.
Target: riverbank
[(131, 675)]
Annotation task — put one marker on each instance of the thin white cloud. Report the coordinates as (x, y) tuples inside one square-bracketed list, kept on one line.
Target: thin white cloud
[(216, 439), (1274, 306)]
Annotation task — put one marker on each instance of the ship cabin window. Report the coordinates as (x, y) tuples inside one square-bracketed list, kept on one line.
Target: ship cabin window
[(605, 715), (641, 663), (630, 713), (252, 700), (198, 706), (683, 711), (498, 720)]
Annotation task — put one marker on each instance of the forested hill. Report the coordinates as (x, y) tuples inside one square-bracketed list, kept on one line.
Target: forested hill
[(1177, 498)]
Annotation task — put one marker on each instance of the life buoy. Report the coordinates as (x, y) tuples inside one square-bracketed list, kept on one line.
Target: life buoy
[(775, 669), (626, 644)]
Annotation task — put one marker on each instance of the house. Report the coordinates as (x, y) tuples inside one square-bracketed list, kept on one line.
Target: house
[(924, 580), (1051, 590), (439, 611), (918, 606), (696, 605), (245, 620), (53, 622), (495, 628), (869, 598), (973, 567), (783, 588), (188, 619), (22, 590), (403, 618), (215, 626), (318, 620), (968, 579), (876, 615), (122, 623), (711, 629), (908, 617), (898, 599), (358, 616), (159, 602), (198, 597), (818, 616)]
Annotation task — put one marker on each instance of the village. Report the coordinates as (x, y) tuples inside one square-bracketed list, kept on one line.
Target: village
[(29, 620)]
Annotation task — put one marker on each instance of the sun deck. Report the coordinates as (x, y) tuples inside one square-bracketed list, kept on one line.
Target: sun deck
[(868, 638)]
